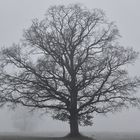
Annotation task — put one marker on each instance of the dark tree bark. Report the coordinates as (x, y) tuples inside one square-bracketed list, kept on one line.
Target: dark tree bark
[(74, 129)]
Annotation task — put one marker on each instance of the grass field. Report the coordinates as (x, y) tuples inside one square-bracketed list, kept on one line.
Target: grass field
[(59, 136)]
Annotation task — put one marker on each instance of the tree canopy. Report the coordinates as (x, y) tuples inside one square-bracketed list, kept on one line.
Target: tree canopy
[(70, 64)]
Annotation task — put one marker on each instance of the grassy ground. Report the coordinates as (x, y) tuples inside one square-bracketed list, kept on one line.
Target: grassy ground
[(94, 136), (40, 138), (49, 136)]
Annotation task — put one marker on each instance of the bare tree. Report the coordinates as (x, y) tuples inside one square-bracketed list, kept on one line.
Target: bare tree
[(24, 120), (71, 65)]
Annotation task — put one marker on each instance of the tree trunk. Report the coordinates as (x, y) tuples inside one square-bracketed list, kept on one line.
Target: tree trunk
[(74, 129), (73, 121)]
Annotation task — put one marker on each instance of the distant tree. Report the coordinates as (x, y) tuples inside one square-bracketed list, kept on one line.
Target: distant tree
[(71, 65), (23, 120)]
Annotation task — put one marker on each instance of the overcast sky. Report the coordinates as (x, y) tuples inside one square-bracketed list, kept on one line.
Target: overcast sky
[(16, 15)]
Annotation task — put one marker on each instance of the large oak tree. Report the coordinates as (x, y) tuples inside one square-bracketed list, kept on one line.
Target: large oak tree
[(71, 65)]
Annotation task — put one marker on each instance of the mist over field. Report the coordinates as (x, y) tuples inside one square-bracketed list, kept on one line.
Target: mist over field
[(45, 128)]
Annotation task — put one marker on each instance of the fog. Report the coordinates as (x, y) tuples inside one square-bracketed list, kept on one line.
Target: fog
[(16, 15)]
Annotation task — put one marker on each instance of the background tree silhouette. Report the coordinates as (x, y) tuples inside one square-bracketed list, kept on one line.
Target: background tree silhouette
[(71, 65), (24, 120)]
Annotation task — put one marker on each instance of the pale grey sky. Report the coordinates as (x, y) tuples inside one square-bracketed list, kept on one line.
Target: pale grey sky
[(16, 15)]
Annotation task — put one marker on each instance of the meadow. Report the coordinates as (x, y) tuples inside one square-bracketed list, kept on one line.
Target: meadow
[(61, 136)]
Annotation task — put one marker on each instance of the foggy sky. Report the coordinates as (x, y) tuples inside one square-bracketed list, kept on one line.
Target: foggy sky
[(16, 15)]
